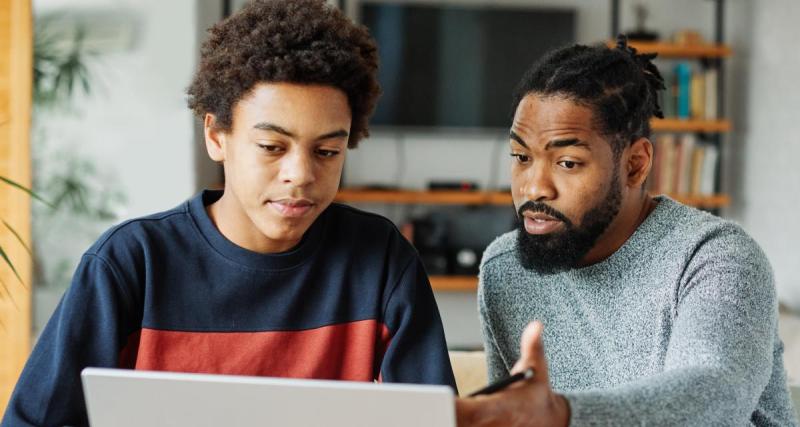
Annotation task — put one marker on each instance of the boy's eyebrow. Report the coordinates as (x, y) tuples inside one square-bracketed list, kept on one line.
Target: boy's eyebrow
[(273, 128), (341, 133)]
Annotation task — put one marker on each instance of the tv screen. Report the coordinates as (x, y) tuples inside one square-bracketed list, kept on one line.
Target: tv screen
[(456, 66)]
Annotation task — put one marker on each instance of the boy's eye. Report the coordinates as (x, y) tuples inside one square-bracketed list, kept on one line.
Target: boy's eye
[(521, 158), (327, 153), (567, 164), (270, 148)]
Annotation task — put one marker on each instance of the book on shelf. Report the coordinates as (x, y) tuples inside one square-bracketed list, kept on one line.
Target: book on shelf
[(691, 92), (683, 80), (711, 93), (683, 165), (709, 171)]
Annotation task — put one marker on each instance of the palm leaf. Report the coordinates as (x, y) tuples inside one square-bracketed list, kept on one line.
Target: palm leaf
[(27, 190), (22, 242), (10, 264), (10, 295)]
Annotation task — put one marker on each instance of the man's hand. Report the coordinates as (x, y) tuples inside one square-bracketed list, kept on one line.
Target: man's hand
[(528, 403)]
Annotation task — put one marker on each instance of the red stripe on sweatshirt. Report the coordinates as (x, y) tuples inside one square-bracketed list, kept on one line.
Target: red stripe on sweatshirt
[(347, 351)]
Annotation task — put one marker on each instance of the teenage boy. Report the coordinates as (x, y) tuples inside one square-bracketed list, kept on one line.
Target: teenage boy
[(266, 277)]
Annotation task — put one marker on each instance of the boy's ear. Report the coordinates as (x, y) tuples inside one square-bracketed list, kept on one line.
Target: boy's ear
[(639, 162), (215, 138)]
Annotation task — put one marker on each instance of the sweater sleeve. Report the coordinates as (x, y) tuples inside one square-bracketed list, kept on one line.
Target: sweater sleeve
[(89, 328), (720, 354), (495, 365), (417, 351)]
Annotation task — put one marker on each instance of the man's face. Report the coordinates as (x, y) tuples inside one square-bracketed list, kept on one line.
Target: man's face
[(564, 182), (283, 161)]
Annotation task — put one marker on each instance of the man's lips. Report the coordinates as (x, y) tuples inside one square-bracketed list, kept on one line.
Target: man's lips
[(541, 223), (291, 208)]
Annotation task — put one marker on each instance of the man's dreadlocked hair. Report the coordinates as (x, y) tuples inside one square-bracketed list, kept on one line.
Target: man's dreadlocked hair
[(619, 85)]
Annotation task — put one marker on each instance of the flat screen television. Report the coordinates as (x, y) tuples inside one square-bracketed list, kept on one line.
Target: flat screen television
[(455, 66)]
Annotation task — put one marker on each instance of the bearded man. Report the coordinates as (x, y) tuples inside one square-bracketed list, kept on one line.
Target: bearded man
[(648, 312)]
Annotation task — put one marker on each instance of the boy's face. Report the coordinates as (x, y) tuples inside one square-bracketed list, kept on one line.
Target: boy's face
[(283, 160)]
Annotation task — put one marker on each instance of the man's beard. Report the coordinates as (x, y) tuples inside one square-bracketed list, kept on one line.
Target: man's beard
[(560, 251)]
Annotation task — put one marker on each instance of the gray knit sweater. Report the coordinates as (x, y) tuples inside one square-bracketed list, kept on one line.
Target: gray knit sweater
[(677, 327)]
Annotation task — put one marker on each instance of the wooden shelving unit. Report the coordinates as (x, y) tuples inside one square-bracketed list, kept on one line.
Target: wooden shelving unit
[(681, 125), (454, 283), (673, 50), (497, 198), (442, 197)]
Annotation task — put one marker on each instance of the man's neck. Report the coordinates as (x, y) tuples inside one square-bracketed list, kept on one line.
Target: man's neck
[(634, 210)]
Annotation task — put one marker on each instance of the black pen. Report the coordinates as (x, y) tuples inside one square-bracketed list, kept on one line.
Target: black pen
[(492, 388)]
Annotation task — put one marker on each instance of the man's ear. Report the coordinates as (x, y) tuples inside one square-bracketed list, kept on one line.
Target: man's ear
[(639, 162), (215, 138)]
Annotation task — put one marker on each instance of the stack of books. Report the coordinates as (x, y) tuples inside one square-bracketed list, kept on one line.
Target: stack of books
[(683, 165)]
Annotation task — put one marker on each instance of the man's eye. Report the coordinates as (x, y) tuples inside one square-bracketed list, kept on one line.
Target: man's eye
[(327, 153), (567, 164), (521, 158)]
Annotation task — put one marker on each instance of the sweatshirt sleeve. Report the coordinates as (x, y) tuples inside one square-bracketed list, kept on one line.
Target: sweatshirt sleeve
[(416, 351), (720, 354), (89, 328)]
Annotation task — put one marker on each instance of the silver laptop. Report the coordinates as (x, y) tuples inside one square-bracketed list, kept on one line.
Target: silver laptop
[(123, 398)]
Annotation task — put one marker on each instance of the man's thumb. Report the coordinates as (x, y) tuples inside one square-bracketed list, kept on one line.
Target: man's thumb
[(531, 353)]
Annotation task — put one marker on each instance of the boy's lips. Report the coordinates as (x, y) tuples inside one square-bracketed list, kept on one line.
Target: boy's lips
[(291, 208)]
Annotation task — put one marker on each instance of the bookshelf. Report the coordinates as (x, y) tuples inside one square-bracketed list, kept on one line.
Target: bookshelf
[(681, 51), (474, 198), (454, 283), (689, 150), (672, 124)]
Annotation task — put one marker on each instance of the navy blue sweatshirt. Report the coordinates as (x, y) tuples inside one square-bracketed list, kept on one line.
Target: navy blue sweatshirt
[(170, 292)]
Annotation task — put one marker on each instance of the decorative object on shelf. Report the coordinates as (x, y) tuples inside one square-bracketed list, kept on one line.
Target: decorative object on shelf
[(453, 185), (688, 37), (641, 32)]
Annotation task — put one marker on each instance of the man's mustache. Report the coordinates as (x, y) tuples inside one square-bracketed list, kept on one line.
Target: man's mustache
[(546, 209)]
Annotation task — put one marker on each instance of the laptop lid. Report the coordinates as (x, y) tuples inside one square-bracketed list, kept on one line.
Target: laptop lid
[(123, 398)]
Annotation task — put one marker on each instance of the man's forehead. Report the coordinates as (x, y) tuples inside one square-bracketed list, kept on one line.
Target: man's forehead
[(550, 117)]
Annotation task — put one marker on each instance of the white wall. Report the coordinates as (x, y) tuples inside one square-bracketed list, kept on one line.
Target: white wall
[(765, 171), (136, 124)]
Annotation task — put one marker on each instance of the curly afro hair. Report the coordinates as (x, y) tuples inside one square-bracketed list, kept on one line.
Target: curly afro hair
[(295, 41)]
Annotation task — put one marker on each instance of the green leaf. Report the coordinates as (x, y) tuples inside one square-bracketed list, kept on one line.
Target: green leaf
[(23, 188), (14, 232), (10, 264), (10, 296)]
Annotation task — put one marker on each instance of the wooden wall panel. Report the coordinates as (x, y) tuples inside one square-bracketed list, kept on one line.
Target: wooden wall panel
[(16, 47)]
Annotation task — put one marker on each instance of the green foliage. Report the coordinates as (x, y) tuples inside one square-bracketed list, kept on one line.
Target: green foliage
[(59, 71), (3, 254), (59, 67)]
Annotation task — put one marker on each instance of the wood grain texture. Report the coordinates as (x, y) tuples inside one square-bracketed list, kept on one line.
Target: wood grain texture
[(16, 57)]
